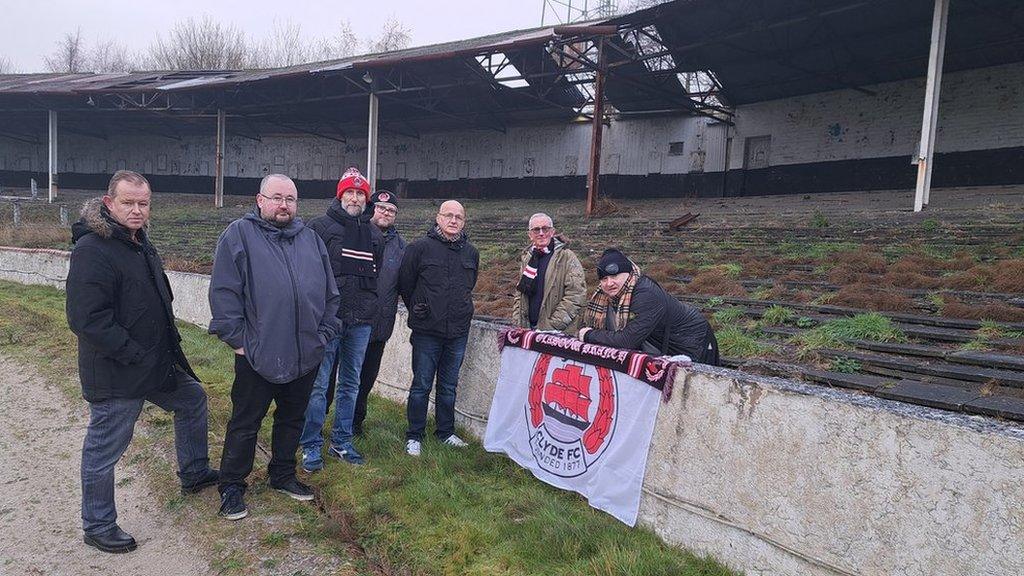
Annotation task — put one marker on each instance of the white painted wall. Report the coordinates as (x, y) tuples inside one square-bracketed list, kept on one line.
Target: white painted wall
[(980, 109), (771, 477)]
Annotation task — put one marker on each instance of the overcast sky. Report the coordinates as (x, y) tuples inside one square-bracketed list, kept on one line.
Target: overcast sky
[(29, 29)]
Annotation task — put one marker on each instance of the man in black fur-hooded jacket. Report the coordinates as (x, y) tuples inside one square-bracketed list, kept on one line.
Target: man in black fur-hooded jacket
[(129, 351)]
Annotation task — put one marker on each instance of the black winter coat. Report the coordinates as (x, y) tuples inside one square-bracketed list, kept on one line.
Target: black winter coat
[(436, 284), (358, 294), (657, 315), (119, 306), (387, 286)]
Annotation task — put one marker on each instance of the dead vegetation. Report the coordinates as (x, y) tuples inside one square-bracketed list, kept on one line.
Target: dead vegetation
[(36, 236), (871, 297), (715, 282)]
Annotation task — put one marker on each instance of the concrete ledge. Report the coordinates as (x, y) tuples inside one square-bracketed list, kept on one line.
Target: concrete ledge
[(770, 476)]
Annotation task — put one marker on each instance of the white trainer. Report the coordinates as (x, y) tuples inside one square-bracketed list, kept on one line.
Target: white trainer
[(454, 440), (412, 447)]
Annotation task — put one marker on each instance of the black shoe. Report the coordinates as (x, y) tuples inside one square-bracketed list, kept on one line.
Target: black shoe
[(294, 489), (209, 478), (232, 504), (114, 541)]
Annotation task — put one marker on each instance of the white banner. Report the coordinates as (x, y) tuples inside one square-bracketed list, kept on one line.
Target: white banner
[(574, 425)]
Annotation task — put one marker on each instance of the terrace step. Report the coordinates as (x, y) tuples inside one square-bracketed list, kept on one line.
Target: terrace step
[(845, 311), (967, 398), (937, 368), (926, 394)]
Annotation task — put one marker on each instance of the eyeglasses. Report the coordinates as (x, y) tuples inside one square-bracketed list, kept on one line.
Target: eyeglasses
[(289, 200), (538, 230), (457, 217), (386, 209)]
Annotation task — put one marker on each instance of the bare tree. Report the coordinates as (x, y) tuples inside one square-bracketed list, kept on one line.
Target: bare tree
[(6, 66), (393, 36), (110, 56), (343, 44), (70, 55), (202, 45), (284, 47)]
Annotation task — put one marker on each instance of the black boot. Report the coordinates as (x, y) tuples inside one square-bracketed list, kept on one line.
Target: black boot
[(114, 541), (209, 478)]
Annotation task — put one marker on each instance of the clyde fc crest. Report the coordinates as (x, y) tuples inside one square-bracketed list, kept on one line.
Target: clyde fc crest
[(571, 410)]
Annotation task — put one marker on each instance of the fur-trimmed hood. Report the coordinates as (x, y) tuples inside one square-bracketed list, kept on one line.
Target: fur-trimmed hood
[(96, 219)]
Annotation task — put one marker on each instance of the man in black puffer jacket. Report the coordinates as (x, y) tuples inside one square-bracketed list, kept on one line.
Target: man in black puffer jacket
[(356, 248), (129, 351), (436, 283)]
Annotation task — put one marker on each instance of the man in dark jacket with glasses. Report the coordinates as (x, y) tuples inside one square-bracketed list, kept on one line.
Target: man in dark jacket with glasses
[(436, 283), (274, 302)]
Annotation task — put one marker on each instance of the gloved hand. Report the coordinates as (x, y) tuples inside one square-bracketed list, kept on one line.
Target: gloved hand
[(420, 310)]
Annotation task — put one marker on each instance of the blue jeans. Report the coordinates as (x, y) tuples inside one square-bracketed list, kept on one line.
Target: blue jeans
[(111, 424), (434, 356), (350, 347)]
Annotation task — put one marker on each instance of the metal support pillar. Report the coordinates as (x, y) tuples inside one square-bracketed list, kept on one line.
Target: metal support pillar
[(931, 105), (371, 143), (52, 178), (218, 186), (594, 174)]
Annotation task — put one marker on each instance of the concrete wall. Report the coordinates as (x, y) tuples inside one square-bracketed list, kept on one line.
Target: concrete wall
[(981, 109), (772, 476)]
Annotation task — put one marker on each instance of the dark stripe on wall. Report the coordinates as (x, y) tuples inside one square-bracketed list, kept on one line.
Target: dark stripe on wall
[(1002, 166)]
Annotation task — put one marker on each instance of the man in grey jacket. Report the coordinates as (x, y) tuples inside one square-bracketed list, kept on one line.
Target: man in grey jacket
[(274, 302)]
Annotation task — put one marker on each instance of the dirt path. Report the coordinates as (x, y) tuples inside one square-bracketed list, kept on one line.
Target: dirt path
[(40, 493)]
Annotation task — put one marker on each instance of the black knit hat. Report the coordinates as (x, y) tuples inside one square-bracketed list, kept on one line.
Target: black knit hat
[(613, 262), (385, 196)]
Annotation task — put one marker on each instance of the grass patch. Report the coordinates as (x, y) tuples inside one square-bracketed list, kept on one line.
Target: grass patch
[(727, 316), (777, 315), (844, 365), (449, 512), (736, 343), (835, 333)]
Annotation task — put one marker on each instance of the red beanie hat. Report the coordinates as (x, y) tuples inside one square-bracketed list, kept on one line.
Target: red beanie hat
[(352, 178)]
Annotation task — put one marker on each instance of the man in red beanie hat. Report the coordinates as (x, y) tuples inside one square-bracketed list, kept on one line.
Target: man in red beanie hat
[(356, 249)]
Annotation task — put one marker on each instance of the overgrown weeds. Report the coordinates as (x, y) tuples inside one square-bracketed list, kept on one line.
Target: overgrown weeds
[(837, 333)]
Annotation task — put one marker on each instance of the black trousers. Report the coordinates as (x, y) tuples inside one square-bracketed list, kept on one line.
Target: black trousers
[(251, 396), (368, 376)]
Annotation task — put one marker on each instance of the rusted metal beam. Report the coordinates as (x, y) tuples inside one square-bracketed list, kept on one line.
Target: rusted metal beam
[(594, 174)]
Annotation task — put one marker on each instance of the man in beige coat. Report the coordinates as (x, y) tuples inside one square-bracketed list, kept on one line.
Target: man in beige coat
[(552, 289)]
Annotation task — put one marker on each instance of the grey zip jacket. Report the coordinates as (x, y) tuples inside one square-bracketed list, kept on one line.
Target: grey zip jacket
[(273, 293)]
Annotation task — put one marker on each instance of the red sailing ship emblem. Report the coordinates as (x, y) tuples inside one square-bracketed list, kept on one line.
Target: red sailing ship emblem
[(571, 409)]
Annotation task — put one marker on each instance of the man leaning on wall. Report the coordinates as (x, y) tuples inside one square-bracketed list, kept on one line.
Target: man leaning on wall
[(274, 302), (552, 286), (129, 351)]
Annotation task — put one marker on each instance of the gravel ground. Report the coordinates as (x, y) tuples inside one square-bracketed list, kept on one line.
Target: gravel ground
[(40, 493)]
